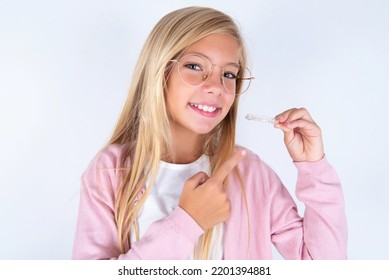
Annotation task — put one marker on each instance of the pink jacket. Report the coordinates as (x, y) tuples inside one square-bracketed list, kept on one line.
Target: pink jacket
[(273, 217)]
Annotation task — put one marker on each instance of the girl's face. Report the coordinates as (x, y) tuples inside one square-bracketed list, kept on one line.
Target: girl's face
[(197, 110)]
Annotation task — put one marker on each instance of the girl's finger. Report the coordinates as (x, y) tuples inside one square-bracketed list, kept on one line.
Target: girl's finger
[(284, 115), (300, 123), (294, 114), (197, 180), (228, 166), (301, 113), (305, 128)]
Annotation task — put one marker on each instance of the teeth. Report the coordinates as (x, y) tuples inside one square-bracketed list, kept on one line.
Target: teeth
[(205, 108)]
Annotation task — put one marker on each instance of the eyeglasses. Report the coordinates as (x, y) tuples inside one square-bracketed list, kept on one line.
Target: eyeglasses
[(195, 70)]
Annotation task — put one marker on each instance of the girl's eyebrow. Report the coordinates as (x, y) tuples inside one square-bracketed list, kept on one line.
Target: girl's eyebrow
[(203, 54)]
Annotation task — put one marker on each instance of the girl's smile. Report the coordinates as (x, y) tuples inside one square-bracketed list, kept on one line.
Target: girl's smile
[(206, 110)]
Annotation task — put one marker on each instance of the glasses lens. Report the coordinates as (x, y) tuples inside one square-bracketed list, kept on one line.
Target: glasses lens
[(244, 80), (193, 69), (236, 79), (230, 77)]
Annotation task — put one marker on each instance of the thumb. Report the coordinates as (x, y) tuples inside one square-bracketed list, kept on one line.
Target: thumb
[(289, 135), (288, 132), (197, 180)]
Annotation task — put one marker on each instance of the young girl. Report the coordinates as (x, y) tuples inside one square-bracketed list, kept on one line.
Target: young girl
[(172, 184)]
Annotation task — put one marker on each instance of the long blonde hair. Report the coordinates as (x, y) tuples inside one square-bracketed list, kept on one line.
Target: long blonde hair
[(144, 119)]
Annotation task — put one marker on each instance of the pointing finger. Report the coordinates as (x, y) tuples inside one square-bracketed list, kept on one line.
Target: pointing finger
[(228, 166)]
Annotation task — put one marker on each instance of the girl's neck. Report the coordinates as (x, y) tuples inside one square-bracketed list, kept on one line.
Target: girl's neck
[(185, 149)]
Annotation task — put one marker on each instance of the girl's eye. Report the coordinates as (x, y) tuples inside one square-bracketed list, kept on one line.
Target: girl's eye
[(193, 66), (230, 75)]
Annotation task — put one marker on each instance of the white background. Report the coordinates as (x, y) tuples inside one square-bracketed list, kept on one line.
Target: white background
[(65, 68)]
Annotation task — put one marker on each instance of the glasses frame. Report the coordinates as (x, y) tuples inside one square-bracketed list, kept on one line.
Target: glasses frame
[(250, 78)]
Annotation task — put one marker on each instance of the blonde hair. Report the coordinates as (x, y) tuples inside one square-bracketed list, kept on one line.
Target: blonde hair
[(144, 119)]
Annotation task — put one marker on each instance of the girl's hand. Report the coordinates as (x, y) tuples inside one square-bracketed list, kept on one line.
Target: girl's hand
[(302, 136), (204, 198)]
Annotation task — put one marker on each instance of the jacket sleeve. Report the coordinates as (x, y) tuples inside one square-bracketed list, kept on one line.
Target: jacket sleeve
[(322, 232), (96, 234)]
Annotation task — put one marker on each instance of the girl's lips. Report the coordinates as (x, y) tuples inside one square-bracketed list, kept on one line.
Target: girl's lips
[(205, 109)]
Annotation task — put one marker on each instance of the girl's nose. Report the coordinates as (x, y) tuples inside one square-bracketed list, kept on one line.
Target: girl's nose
[(214, 82)]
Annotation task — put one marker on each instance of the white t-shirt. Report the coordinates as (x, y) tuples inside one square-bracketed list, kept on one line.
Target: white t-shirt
[(165, 194)]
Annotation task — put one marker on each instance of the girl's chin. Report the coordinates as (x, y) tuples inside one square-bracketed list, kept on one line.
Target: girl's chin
[(204, 129)]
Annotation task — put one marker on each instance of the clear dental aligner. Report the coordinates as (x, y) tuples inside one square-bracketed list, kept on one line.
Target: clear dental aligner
[(263, 119)]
